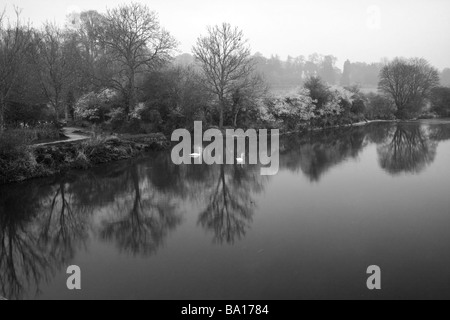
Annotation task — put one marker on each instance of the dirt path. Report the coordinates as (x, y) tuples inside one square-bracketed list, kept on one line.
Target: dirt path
[(70, 133)]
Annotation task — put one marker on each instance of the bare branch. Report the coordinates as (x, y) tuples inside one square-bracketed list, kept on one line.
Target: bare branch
[(225, 59)]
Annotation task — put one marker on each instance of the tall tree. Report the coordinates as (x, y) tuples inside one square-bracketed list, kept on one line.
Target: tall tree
[(318, 91), (345, 81), (86, 28), (245, 96), (226, 62), (14, 43), (409, 83), (55, 59), (136, 43), (327, 69)]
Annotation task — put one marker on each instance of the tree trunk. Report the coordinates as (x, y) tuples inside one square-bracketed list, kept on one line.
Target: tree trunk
[(222, 106), (2, 117), (132, 94), (66, 112), (236, 114), (2, 113), (56, 112)]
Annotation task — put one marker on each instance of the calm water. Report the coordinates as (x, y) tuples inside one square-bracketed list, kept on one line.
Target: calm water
[(342, 201)]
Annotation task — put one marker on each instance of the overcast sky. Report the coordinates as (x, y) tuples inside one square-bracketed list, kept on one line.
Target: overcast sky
[(358, 30)]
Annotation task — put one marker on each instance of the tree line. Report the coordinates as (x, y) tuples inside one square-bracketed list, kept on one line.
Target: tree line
[(117, 70)]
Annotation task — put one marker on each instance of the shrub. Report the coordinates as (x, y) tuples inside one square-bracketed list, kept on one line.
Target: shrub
[(290, 112), (117, 118), (13, 143), (440, 101), (379, 107), (26, 114), (94, 107), (318, 91)]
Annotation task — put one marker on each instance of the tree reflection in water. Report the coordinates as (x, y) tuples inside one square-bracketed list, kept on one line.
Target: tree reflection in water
[(44, 223), (24, 263), (135, 205), (317, 152), (402, 147), (142, 218), (63, 224), (408, 149), (230, 207)]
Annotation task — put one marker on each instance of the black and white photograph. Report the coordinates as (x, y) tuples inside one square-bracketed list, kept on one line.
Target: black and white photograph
[(224, 155)]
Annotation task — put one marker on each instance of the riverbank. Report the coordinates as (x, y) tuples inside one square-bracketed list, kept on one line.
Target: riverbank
[(82, 152), (43, 160), (356, 124), (37, 161)]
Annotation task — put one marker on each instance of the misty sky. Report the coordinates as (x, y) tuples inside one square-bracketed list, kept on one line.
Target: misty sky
[(358, 30)]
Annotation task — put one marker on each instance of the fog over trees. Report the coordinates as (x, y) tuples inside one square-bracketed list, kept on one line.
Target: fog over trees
[(121, 71)]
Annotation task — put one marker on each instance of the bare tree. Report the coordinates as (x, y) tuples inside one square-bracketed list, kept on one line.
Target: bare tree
[(14, 42), (86, 28), (409, 83), (226, 61), (245, 95), (136, 43), (54, 59)]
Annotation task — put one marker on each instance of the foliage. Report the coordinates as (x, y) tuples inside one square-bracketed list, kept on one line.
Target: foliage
[(95, 107), (135, 42), (173, 98), (379, 107), (19, 162), (318, 91), (300, 110), (18, 138), (15, 40), (55, 60), (292, 111), (409, 83), (11, 142), (440, 101), (226, 63), (29, 115), (334, 105)]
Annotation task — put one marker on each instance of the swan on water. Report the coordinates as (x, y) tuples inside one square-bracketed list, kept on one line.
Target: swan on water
[(196, 155), (241, 160)]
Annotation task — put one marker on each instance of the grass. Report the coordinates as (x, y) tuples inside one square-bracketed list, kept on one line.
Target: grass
[(19, 161), (26, 136)]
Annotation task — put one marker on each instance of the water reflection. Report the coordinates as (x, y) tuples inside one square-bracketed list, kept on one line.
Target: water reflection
[(136, 205), (141, 218), (316, 153), (230, 206), (402, 148), (63, 222), (24, 261), (408, 149)]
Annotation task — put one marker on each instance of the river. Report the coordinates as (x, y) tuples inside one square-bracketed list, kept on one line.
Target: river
[(342, 201)]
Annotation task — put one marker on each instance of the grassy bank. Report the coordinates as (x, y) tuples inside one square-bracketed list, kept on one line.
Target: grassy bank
[(22, 162)]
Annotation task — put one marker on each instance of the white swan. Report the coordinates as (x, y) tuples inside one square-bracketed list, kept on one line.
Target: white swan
[(241, 160), (196, 155)]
